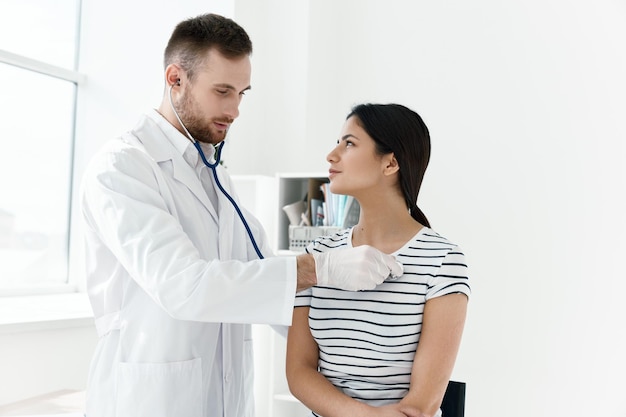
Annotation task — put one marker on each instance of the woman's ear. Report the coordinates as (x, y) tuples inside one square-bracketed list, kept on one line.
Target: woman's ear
[(392, 165)]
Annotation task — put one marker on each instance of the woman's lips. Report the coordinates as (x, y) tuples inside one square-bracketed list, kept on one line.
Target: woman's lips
[(332, 173)]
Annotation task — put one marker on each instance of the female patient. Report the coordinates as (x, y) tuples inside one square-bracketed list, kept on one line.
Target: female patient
[(389, 351)]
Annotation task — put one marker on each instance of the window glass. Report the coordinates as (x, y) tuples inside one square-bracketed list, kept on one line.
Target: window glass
[(35, 177), (45, 30)]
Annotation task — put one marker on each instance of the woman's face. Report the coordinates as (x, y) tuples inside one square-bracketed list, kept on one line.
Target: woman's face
[(355, 167)]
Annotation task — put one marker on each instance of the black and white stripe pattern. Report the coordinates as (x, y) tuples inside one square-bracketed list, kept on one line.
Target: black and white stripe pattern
[(367, 339)]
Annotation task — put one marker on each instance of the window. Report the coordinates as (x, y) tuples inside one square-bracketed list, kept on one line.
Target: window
[(38, 44)]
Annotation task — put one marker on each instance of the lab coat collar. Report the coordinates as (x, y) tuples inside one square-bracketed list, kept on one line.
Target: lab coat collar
[(174, 146), (164, 143), (182, 142)]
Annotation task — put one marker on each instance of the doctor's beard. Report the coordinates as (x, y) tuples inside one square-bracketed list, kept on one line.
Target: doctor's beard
[(198, 126)]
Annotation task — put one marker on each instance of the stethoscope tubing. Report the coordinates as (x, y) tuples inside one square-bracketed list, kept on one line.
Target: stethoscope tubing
[(213, 168)]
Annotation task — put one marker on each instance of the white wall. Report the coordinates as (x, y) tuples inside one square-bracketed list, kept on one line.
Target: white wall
[(38, 362), (525, 104)]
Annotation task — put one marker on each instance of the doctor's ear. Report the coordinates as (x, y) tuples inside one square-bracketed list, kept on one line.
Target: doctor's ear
[(173, 75)]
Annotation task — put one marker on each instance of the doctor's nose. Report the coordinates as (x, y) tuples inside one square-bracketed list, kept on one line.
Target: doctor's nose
[(232, 112), (230, 109)]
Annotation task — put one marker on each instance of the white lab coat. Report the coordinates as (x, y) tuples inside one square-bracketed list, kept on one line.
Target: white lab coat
[(171, 298)]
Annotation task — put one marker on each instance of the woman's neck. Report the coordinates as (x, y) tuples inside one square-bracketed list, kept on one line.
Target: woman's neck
[(384, 225)]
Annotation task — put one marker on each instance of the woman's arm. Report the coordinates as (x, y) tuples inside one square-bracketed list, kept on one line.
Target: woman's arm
[(442, 328), (315, 391), (305, 382)]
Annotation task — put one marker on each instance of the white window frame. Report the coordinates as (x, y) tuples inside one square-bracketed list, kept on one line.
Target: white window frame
[(41, 67), (77, 78)]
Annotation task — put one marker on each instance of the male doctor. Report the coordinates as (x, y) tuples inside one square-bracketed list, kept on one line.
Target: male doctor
[(172, 276)]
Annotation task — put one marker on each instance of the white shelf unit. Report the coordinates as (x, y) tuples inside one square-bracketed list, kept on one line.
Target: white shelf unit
[(265, 196), (291, 188)]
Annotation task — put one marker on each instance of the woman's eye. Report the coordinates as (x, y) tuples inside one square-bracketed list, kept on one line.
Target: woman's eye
[(347, 142)]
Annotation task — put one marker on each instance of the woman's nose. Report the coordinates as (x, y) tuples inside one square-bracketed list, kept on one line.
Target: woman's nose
[(332, 155)]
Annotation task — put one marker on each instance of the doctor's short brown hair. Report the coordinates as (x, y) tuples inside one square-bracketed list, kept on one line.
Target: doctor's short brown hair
[(193, 38)]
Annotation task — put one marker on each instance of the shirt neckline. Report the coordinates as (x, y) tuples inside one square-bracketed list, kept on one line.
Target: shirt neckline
[(420, 232)]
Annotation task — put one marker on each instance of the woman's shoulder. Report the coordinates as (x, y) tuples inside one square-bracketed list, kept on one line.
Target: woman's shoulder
[(430, 236)]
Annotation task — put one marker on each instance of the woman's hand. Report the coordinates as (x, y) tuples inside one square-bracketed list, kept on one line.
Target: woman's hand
[(395, 410), (412, 412)]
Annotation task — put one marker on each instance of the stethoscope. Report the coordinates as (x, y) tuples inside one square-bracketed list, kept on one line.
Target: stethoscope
[(213, 167)]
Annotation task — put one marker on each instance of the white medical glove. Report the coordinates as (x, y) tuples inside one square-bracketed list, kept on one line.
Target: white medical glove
[(355, 269)]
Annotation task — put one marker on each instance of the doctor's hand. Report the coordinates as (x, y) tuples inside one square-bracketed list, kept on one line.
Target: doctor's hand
[(354, 269)]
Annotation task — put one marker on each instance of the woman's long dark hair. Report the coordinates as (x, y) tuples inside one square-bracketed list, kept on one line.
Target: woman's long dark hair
[(400, 130)]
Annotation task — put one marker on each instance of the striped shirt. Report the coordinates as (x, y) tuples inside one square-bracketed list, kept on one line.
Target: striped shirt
[(367, 339)]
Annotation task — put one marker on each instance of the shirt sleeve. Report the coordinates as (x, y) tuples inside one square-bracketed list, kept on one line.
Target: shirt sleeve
[(452, 276), (303, 298)]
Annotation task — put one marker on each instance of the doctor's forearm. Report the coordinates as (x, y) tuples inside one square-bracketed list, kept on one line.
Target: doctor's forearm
[(306, 272)]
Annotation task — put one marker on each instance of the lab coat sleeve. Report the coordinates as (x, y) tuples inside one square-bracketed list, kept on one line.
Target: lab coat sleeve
[(124, 207)]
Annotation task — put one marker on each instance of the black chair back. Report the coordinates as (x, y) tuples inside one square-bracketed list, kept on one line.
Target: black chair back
[(453, 404)]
